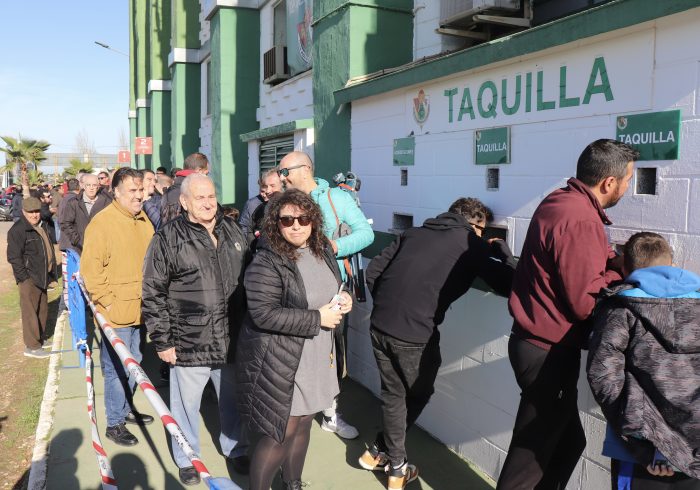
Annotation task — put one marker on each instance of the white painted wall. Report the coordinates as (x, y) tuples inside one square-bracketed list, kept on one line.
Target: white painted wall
[(427, 42), (283, 103), (289, 100), (652, 67)]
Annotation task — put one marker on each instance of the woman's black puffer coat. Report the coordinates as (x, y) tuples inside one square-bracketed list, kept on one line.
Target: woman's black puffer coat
[(272, 338)]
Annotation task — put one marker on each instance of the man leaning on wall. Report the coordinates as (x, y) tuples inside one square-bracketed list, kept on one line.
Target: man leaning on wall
[(565, 261)]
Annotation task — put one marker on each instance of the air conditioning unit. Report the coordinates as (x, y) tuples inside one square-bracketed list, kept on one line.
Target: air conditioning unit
[(453, 11), (275, 69)]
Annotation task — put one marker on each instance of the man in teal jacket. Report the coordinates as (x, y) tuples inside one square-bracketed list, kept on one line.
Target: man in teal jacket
[(297, 172)]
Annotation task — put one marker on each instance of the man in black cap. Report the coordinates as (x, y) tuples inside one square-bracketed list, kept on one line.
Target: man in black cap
[(31, 255)]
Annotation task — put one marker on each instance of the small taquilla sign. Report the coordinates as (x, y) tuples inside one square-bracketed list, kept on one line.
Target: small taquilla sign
[(655, 135), (492, 146)]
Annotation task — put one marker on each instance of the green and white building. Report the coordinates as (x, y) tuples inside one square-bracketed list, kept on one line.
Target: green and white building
[(428, 101)]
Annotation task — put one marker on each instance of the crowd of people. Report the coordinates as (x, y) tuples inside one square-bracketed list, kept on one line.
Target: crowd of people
[(258, 307)]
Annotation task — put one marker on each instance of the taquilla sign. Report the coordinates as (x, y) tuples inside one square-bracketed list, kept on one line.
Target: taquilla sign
[(595, 80)]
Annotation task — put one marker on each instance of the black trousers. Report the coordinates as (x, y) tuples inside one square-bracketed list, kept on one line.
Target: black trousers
[(548, 438), (408, 373)]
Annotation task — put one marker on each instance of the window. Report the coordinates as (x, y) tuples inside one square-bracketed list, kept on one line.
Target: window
[(646, 181), (274, 150), (401, 222)]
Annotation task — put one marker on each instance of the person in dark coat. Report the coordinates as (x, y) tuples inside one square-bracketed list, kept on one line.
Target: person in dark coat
[(644, 369), (269, 183), (79, 211), (31, 255), (170, 207), (285, 358), (413, 282), (152, 199), (16, 205), (193, 302)]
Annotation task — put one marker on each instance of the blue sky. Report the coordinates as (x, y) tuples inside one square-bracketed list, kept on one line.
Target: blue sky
[(55, 81)]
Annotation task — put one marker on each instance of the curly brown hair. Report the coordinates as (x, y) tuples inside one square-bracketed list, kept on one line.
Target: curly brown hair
[(270, 226)]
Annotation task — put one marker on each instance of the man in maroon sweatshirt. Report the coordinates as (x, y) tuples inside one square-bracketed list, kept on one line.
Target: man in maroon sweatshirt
[(565, 261)]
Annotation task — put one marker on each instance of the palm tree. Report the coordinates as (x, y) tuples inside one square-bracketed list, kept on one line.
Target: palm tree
[(77, 166), (20, 152)]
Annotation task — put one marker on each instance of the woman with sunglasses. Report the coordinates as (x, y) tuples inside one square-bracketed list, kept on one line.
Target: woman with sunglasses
[(285, 361)]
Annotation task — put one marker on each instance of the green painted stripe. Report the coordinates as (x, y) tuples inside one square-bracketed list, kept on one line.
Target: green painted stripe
[(598, 20), (280, 129)]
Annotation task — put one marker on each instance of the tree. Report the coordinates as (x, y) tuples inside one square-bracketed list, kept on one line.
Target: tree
[(21, 152), (77, 166), (35, 177), (84, 145)]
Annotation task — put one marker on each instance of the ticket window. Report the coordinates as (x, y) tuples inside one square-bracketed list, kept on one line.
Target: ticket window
[(495, 231)]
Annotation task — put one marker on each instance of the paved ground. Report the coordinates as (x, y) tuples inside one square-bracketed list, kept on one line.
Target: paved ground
[(331, 462)]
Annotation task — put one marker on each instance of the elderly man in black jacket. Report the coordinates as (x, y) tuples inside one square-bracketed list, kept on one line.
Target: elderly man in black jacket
[(193, 300), (413, 282), (31, 254), (79, 211)]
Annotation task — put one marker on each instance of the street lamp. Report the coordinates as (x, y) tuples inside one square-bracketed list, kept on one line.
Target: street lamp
[(107, 46)]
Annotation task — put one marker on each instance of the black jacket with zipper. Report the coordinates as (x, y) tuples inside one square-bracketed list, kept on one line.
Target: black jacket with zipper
[(272, 338), (416, 278), (192, 294), (74, 219), (28, 256)]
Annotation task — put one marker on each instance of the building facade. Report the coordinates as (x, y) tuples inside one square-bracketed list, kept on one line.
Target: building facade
[(426, 107)]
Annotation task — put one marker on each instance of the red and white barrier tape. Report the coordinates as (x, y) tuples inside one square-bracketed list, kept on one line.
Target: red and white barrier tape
[(108, 480), (152, 395)]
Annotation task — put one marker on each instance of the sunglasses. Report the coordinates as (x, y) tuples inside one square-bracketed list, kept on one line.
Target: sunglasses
[(284, 172), (288, 221)]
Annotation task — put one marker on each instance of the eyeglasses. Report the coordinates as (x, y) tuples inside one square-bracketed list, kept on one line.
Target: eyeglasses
[(288, 221), (478, 227), (91, 185), (284, 172)]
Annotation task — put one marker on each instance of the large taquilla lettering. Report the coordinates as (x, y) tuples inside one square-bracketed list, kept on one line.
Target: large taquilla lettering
[(490, 104)]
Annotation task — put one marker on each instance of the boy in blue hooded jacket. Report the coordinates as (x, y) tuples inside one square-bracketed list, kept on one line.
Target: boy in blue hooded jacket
[(644, 370)]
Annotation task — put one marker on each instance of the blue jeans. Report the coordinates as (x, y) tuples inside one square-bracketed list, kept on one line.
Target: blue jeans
[(186, 387), (119, 386)]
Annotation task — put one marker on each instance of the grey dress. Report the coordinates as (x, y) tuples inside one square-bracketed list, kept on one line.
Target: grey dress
[(316, 381)]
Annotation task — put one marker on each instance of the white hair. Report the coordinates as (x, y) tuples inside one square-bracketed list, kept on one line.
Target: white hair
[(185, 186)]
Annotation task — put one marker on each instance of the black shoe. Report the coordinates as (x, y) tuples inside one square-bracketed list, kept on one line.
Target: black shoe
[(119, 434), (138, 418), (189, 476), (294, 485), (240, 464)]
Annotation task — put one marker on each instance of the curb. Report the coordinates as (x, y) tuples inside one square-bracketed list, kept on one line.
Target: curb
[(37, 471)]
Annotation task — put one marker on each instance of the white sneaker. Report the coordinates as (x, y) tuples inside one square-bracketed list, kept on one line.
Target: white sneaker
[(340, 427)]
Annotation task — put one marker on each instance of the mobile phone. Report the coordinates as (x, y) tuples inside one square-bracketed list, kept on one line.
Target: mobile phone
[(336, 298)]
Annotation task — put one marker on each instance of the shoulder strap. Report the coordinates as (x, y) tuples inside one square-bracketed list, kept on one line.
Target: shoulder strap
[(335, 213), (346, 261)]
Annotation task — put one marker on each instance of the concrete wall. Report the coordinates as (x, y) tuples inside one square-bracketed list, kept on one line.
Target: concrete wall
[(651, 67)]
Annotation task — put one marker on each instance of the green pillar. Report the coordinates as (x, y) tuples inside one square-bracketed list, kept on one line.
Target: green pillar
[(132, 80), (142, 48), (185, 74), (364, 38), (234, 93), (132, 134), (159, 85)]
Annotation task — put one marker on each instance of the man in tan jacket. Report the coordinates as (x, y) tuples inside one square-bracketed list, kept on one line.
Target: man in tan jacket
[(113, 251)]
